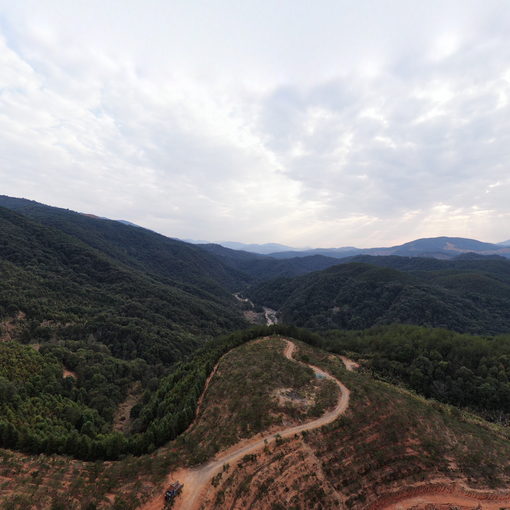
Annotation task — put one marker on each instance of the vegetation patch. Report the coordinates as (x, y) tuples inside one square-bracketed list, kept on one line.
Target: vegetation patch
[(463, 370), (45, 413)]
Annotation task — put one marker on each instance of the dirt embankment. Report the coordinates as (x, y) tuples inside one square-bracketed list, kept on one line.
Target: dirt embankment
[(69, 373), (122, 419), (443, 496)]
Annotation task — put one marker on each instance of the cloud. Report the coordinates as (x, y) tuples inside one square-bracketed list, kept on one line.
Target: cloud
[(338, 125)]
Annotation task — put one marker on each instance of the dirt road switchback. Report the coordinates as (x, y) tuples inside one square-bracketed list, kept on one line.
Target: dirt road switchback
[(197, 480)]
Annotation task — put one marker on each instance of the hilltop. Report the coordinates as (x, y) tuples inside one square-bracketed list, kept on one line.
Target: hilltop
[(380, 451)]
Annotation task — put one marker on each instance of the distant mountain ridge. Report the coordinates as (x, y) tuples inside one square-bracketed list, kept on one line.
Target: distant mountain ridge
[(442, 247), (434, 247), (261, 249), (263, 267)]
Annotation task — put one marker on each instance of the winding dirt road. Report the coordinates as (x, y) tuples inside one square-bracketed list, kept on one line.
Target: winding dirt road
[(196, 480)]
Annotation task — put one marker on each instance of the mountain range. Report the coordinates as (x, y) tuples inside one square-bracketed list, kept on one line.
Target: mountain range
[(124, 345), (436, 247)]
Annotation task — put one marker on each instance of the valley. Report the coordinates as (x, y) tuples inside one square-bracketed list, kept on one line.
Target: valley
[(129, 360)]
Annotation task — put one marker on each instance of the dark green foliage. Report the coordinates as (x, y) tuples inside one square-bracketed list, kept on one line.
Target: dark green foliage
[(69, 290), (102, 381), (37, 410), (464, 295), (169, 260), (113, 321), (170, 410), (42, 412), (463, 370), (119, 306)]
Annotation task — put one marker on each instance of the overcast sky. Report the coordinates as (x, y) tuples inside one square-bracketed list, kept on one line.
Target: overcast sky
[(324, 123)]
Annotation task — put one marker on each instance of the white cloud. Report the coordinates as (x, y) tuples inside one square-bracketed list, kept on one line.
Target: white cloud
[(325, 124)]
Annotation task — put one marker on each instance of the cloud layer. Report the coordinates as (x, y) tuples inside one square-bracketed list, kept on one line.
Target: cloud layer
[(321, 125)]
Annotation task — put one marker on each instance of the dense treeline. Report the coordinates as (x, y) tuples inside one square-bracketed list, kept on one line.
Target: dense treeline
[(100, 380), (208, 271), (67, 290), (113, 324), (168, 260), (40, 411), (466, 296), (463, 370), (118, 308)]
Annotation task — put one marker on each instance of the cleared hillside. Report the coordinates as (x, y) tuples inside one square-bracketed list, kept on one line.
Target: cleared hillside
[(464, 370), (389, 444)]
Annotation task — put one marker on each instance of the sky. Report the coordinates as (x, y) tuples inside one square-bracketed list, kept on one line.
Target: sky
[(324, 124)]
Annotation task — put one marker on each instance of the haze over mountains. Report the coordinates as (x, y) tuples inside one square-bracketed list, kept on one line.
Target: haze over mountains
[(265, 249), (437, 247)]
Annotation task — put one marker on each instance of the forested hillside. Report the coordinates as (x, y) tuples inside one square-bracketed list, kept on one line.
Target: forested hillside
[(463, 370), (43, 412), (97, 316), (65, 288), (208, 270), (103, 328), (463, 295), (168, 260)]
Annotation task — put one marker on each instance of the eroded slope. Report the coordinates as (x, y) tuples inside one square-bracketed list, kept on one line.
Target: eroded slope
[(389, 446)]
